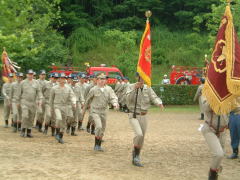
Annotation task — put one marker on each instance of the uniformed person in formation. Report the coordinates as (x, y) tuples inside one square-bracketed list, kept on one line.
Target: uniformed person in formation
[(79, 103), (49, 116), (90, 124), (7, 101), (83, 85), (98, 98), (29, 93), (213, 131), (16, 110), (41, 109), (145, 97), (199, 96), (60, 95)]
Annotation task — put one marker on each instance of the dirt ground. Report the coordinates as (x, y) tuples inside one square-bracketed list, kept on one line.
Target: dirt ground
[(174, 150)]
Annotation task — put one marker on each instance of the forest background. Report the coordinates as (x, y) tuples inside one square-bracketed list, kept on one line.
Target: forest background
[(37, 33)]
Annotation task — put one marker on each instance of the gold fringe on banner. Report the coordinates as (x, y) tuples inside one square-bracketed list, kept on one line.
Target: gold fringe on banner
[(233, 85), (220, 108)]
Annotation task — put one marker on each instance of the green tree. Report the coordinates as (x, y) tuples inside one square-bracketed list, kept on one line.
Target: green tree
[(27, 30)]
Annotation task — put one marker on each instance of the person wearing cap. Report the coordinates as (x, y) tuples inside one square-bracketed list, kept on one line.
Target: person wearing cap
[(90, 123), (122, 98), (83, 85), (98, 99), (72, 123), (49, 117), (16, 110), (214, 133), (29, 93), (60, 95), (165, 80), (199, 96), (145, 97), (41, 109), (6, 88), (70, 114), (119, 89)]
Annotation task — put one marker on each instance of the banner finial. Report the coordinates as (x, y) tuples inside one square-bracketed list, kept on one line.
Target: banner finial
[(148, 14)]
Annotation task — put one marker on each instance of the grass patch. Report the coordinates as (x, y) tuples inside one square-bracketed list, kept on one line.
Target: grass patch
[(176, 108)]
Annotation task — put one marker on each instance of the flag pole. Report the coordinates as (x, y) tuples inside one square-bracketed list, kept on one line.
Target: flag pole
[(148, 15)]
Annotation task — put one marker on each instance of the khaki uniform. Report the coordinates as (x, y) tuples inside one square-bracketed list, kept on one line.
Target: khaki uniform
[(144, 99), (41, 109), (29, 93), (59, 98), (49, 117), (17, 112), (90, 118), (214, 136), (79, 102), (199, 96), (99, 98), (7, 101)]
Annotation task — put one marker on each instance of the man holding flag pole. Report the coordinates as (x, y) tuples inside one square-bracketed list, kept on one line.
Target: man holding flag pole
[(139, 95), (221, 90)]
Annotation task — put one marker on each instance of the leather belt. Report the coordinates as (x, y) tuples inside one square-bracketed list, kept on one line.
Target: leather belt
[(141, 113), (220, 129)]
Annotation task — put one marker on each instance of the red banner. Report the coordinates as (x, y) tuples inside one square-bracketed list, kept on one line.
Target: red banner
[(222, 82), (144, 63)]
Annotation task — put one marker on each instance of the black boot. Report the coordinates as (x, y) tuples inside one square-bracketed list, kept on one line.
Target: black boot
[(136, 158), (99, 145), (93, 129), (53, 131), (68, 129), (96, 146), (213, 175), (73, 131), (80, 128), (202, 117), (57, 133), (14, 127), (40, 127), (88, 127), (60, 138), (234, 154), (37, 125), (6, 124), (45, 129), (19, 126), (23, 132), (29, 133)]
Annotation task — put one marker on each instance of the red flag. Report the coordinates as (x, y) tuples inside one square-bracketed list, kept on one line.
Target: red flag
[(144, 63), (7, 66), (222, 83)]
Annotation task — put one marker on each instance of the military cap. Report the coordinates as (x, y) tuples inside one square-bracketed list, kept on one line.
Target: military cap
[(19, 74), (62, 75), (102, 76), (30, 71), (75, 79), (56, 75), (42, 72), (10, 75)]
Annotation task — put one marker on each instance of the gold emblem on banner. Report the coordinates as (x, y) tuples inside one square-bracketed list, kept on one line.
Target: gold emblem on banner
[(148, 54), (219, 60)]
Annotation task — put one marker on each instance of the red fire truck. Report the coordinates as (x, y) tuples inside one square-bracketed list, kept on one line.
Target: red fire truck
[(186, 75), (112, 72)]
